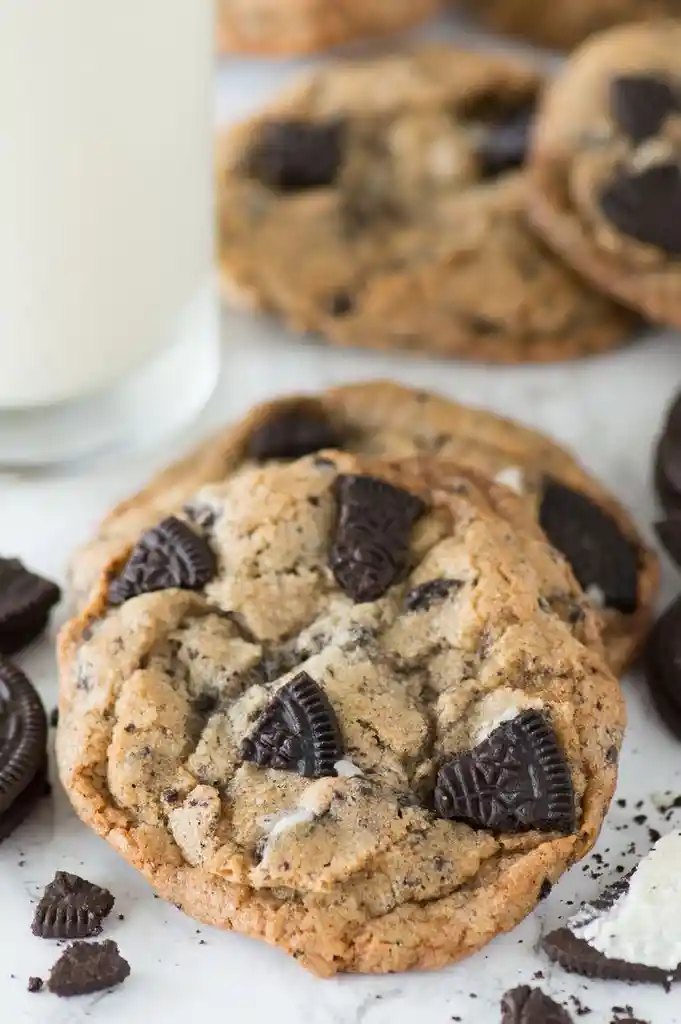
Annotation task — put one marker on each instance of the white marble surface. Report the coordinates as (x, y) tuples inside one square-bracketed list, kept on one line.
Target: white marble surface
[(608, 410)]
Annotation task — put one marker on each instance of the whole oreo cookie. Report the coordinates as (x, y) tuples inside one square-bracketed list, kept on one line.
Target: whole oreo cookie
[(23, 747), (26, 600)]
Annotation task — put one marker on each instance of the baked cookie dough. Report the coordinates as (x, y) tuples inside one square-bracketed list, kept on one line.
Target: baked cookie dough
[(299, 26), (382, 204), (608, 554), (606, 166), (563, 24), (351, 706)]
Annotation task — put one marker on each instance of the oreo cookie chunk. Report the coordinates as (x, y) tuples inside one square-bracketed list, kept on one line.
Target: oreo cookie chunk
[(71, 908), (171, 555), (87, 967), (26, 600), (526, 1005), (632, 932), (23, 748), (663, 666), (516, 779), (603, 559), (290, 432)]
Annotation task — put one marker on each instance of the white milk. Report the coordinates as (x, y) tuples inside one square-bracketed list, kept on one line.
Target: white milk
[(105, 189)]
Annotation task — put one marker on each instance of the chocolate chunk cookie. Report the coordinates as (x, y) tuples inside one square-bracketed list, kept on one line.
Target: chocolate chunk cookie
[(606, 166), (307, 749), (383, 418), (298, 26), (381, 204), (563, 24)]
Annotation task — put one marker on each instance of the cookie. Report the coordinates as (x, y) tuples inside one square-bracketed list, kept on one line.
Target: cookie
[(371, 736), (564, 24), (26, 600), (606, 166), (300, 26), (383, 418), (376, 201), (87, 967), (23, 748), (525, 1005), (631, 932), (71, 908), (663, 666)]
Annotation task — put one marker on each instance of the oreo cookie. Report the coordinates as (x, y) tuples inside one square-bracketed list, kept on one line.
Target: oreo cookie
[(423, 597), (646, 205), (663, 666), (598, 551), (86, 967), (631, 932), (169, 555), (526, 1005), (640, 104), (294, 156), (370, 548), (294, 431), (71, 908), (26, 600), (515, 780), (23, 747), (298, 732)]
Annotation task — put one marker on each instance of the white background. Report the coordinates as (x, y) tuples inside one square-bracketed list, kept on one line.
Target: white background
[(609, 411)]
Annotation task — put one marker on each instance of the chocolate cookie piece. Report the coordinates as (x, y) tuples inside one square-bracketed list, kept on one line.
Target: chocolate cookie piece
[(284, 737), (23, 747), (301, 26), (630, 932), (663, 666), (298, 429), (516, 779), (526, 1005), (71, 908), (298, 732), (383, 418), (371, 543), (373, 203), (667, 464), (87, 967), (26, 600), (37, 789), (170, 555), (605, 189), (600, 554)]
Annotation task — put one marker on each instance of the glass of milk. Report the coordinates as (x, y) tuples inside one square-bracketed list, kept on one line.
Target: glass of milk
[(108, 321)]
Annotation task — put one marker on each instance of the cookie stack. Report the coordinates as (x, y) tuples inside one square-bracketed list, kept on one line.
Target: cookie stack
[(333, 687)]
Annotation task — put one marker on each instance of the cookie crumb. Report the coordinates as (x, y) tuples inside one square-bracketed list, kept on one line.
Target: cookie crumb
[(35, 984)]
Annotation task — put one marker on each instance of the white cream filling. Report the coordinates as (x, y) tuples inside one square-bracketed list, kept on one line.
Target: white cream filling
[(347, 769), (513, 478), (499, 707), (644, 925), (595, 596)]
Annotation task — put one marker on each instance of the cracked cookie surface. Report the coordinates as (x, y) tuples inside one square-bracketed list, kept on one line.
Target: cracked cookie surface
[(385, 419), (605, 188), (299, 26), (373, 785), (375, 201)]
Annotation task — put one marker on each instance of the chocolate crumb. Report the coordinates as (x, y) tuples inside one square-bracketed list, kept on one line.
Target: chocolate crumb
[(54, 718), (35, 984)]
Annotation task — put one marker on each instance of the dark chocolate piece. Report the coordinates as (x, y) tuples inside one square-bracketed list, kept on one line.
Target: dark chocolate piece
[(298, 732), (526, 1005), (169, 555), (646, 205), (593, 543), (294, 431), (26, 600), (641, 103), (370, 549), (516, 779), (86, 967), (292, 156), (71, 908)]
